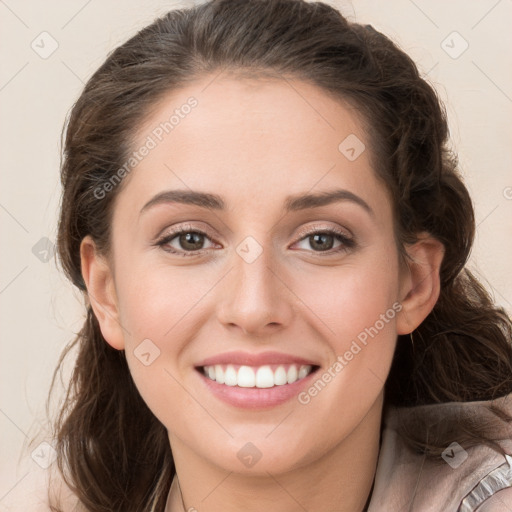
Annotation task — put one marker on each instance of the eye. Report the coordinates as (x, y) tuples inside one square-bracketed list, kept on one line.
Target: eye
[(189, 241), (323, 240)]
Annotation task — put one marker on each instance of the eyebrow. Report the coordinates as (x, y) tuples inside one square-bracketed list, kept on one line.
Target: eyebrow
[(291, 203)]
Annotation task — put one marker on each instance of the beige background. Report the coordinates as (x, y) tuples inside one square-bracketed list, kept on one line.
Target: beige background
[(39, 310)]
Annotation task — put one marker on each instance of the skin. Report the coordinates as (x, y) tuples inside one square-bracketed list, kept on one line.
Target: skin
[(254, 142)]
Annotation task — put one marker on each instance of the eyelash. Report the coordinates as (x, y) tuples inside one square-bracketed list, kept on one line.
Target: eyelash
[(347, 243)]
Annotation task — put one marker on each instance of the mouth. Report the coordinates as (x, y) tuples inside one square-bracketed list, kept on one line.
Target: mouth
[(255, 380), (261, 377)]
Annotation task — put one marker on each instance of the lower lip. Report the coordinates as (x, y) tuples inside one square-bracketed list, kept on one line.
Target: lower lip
[(256, 398)]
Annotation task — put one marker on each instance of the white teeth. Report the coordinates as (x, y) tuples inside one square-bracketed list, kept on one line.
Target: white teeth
[(280, 376), (292, 374), (246, 377), (259, 377), (230, 377), (264, 377), (219, 374), (303, 372)]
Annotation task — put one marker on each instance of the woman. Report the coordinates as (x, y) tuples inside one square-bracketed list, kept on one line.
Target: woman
[(270, 232)]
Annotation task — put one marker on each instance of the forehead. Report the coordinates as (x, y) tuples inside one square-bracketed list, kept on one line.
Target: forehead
[(252, 139)]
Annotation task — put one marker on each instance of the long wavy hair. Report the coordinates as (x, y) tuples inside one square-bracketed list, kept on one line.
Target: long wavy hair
[(113, 453)]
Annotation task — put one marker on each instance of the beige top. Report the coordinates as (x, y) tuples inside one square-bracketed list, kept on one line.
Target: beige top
[(463, 480)]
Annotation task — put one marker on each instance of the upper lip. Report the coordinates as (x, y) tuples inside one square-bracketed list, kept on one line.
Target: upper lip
[(248, 359)]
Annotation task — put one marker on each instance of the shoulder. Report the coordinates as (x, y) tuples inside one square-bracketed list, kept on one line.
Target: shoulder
[(499, 502), (461, 471), (33, 491)]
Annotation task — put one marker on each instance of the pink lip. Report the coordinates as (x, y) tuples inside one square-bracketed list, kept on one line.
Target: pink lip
[(248, 359)]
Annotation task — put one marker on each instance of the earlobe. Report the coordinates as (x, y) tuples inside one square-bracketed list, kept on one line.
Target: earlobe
[(99, 280), (420, 284)]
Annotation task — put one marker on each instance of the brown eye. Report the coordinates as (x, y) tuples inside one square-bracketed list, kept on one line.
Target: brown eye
[(191, 240), (323, 241), (184, 242)]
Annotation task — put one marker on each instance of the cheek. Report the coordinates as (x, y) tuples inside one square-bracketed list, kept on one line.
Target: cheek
[(352, 298), (160, 308), (356, 308), (155, 300)]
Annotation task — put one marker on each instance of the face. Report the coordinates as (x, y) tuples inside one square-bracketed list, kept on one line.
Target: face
[(294, 304)]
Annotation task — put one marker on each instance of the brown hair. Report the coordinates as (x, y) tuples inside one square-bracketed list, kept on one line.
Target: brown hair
[(113, 452)]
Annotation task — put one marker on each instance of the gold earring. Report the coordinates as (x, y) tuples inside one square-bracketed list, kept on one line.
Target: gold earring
[(412, 340)]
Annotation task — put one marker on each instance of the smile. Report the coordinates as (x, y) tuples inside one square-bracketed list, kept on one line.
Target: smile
[(266, 376)]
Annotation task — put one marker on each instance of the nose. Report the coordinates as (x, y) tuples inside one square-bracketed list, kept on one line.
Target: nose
[(255, 298)]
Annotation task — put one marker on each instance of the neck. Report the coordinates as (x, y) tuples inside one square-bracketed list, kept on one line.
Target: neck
[(337, 481)]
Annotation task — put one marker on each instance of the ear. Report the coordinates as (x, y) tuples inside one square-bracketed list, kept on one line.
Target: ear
[(99, 280), (420, 282)]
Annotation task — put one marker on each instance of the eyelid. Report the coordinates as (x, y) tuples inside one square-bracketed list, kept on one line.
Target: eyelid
[(322, 227), (348, 239), (176, 230), (302, 233)]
